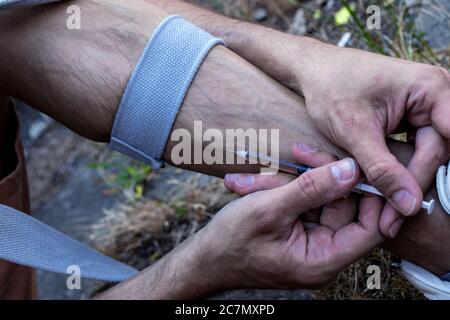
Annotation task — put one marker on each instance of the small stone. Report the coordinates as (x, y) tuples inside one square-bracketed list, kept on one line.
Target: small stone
[(260, 14), (38, 127), (298, 25)]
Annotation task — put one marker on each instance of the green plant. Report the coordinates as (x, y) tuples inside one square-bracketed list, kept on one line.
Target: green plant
[(180, 207), (123, 175), (398, 36)]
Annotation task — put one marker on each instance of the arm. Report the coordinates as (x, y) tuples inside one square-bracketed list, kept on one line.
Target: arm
[(367, 96), (78, 77), (181, 274), (260, 242)]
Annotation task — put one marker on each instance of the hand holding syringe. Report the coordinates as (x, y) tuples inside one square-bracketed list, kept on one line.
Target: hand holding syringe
[(298, 169)]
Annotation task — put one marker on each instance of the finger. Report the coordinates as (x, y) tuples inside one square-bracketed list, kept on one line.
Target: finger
[(314, 188), (391, 221), (440, 116), (244, 184), (335, 214), (432, 105), (311, 156), (339, 213), (387, 174), (356, 239), (430, 153)]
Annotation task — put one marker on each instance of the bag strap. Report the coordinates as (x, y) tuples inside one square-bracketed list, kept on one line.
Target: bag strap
[(25, 240)]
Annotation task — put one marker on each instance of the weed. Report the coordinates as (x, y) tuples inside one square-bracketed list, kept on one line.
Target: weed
[(123, 175)]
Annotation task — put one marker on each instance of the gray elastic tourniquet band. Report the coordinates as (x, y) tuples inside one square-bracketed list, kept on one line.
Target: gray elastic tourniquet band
[(144, 120), (157, 89)]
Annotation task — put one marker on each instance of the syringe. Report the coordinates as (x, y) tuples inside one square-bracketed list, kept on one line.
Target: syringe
[(298, 169)]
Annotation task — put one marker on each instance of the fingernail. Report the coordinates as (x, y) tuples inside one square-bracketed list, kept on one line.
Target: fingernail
[(231, 178), (244, 181), (395, 228), (344, 170), (306, 148), (404, 201)]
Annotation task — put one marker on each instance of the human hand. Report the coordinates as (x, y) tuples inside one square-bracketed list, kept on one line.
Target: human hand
[(424, 238), (260, 241), (357, 98)]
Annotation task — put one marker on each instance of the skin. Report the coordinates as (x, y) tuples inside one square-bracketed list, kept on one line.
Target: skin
[(84, 96), (363, 103), (418, 238), (265, 232)]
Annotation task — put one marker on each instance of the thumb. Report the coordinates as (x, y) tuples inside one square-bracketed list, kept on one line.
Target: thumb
[(387, 174), (316, 187)]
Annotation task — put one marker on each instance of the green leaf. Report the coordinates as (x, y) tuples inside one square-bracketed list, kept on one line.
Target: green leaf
[(343, 15), (317, 14)]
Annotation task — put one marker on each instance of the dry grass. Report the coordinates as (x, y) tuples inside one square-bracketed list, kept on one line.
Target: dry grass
[(142, 232), (352, 282)]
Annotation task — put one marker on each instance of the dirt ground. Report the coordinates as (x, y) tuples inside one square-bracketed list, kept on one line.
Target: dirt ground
[(135, 215)]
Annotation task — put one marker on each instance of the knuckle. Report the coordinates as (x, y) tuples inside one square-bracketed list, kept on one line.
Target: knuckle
[(250, 201), (348, 123), (310, 188), (442, 74), (436, 77), (380, 173), (265, 208)]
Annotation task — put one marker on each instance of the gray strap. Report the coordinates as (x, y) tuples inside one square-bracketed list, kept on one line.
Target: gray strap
[(8, 4), (27, 241), (446, 277), (157, 89)]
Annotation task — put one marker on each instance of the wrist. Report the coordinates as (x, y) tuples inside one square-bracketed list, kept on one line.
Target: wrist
[(276, 53), (198, 272), (292, 60), (188, 272), (184, 273), (289, 59), (308, 58)]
